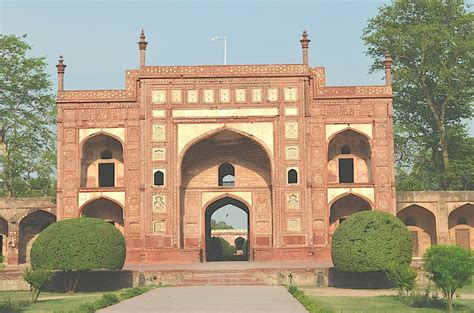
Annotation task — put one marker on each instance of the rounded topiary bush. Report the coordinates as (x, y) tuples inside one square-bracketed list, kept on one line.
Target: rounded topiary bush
[(368, 241), (79, 244)]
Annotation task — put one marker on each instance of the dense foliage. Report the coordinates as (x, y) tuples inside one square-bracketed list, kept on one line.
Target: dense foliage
[(219, 249), (431, 43), (27, 112), (403, 276), (370, 240), (79, 244), (451, 268)]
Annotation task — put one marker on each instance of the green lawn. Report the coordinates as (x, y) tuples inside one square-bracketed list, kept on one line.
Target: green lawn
[(380, 304), (50, 302)]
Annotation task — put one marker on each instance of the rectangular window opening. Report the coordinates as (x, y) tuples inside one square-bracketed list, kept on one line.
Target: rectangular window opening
[(346, 170), (106, 174)]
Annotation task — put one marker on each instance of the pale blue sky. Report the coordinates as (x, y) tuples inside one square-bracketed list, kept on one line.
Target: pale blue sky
[(99, 38)]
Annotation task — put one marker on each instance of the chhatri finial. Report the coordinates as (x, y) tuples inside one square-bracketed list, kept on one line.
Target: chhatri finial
[(61, 67), (388, 67), (142, 47), (305, 45)]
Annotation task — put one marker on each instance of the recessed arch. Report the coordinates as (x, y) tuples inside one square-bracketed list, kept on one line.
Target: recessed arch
[(461, 226), (106, 209), (343, 206), (349, 157), (421, 223), (29, 228), (102, 161), (354, 193)]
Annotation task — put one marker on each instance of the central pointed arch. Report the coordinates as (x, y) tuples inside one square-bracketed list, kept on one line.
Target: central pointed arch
[(211, 251)]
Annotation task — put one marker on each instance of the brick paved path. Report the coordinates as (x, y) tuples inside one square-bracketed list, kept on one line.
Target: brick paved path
[(212, 299)]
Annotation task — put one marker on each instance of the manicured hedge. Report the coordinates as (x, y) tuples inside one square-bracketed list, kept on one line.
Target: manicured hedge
[(79, 244), (368, 241)]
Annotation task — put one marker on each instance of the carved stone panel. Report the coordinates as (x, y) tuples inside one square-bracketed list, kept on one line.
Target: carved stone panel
[(159, 203), (158, 227), (294, 224), (291, 130), (293, 201), (292, 153), (158, 133), (158, 154)]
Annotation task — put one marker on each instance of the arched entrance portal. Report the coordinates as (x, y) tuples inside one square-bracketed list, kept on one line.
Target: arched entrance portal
[(218, 247), (105, 209), (30, 227)]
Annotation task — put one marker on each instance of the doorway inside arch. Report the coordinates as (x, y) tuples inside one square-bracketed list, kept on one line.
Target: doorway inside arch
[(227, 229)]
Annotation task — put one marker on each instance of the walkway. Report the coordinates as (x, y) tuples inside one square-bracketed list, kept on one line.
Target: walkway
[(212, 299)]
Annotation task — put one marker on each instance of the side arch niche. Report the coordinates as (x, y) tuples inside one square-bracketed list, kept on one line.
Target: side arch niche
[(461, 226), (102, 162), (343, 207), (349, 158), (105, 209), (3, 237), (29, 228), (421, 224)]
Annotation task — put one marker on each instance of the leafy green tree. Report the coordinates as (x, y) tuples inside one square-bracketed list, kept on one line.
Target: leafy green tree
[(220, 225), (431, 43), (27, 112), (451, 268), (369, 241), (403, 276), (37, 280), (79, 244)]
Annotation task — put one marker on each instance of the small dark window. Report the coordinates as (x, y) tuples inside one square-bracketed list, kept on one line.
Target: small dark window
[(410, 221), (106, 175), (346, 170), (226, 175), (106, 155), (345, 149), (292, 177), (462, 221), (159, 178)]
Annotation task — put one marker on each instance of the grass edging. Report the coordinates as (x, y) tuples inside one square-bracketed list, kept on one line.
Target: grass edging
[(109, 299), (309, 303)]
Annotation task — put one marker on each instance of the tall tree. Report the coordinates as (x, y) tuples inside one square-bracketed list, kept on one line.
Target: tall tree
[(27, 121), (431, 43)]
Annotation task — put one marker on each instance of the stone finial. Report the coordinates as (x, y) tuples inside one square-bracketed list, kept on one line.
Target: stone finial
[(61, 67), (388, 68), (142, 43), (305, 45), (142, 47), (304, 40)]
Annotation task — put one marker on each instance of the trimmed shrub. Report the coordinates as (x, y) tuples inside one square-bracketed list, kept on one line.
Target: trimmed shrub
[(79, 244), (368, 241), (451, 268)]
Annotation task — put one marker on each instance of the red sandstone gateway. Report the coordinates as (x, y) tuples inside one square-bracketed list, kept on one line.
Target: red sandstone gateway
[(151, 158)]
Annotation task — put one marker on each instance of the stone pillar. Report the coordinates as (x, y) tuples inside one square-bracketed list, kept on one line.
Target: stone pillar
[(13, 244)]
